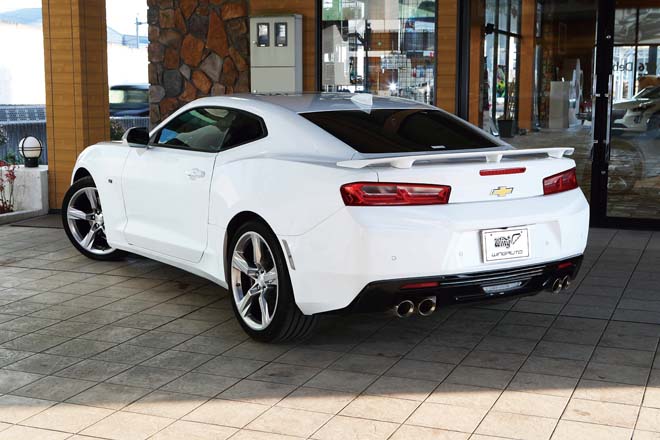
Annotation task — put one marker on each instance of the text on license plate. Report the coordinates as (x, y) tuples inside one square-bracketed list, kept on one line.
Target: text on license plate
[(505, 244)]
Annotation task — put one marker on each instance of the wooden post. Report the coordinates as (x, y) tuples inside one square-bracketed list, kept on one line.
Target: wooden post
[(76, 59), (526, 80), (445, 84)]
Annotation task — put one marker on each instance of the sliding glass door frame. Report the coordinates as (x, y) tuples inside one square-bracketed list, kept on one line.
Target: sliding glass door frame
[(602, 105)]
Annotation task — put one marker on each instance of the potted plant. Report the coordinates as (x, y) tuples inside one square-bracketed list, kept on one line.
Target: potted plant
[(7, 179), (506, 122)]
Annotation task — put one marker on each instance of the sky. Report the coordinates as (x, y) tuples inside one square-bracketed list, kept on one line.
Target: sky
[(120, 13)]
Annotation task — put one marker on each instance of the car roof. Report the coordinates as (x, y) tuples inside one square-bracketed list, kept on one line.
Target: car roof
[(321, 102)]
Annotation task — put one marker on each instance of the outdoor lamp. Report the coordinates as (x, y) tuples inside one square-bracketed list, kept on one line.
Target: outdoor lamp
[(30, 148)]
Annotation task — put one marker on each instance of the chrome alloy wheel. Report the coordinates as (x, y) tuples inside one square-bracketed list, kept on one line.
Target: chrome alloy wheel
[(254, 280), (85, 220)]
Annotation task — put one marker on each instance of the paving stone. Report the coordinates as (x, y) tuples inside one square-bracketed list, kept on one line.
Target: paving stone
[(53, 388), (107, 395), (145, 377), (570, 430), (452, 418), (227, 413), (317, 400), (67, 417), (516, 426), (43, 363), (266, 393), (289, 421), (355, 429), (601, 413), (15, 409), (123, 425)]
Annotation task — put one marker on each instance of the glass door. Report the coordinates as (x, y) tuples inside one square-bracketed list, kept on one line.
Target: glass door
[(633, 157)]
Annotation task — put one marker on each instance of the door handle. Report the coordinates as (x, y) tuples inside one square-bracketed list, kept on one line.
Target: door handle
[(195, 174)]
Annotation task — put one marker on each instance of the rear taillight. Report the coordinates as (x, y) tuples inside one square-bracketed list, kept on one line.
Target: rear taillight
[(560, 182), (394, 194)]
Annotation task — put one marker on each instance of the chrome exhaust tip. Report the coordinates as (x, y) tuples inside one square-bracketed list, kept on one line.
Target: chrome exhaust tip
[(427, 306), (404, 309), (566, 282), (557, 286)]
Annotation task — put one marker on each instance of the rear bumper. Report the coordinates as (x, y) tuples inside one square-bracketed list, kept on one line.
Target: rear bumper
[(466, 288), (356, 247)]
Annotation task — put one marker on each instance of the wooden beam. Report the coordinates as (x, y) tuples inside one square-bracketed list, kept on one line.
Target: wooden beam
[(526, 56), (446, 44), (477, 19), (76, 59)]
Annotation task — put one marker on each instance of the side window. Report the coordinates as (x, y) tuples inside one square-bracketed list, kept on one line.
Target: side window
[(200, 129), (244, 128)]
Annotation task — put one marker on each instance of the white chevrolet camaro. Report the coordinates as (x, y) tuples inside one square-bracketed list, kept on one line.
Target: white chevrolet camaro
[(307, 204)]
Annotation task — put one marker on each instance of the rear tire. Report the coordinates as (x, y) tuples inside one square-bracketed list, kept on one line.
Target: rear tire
[(82, 218), (260, 286)]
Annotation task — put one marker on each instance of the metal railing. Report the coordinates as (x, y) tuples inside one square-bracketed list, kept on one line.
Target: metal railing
[(17, 130)]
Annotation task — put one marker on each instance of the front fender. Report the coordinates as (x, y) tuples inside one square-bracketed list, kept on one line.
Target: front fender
[(105, 163)]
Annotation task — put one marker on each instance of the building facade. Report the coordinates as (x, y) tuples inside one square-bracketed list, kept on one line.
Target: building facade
[(579, 73)]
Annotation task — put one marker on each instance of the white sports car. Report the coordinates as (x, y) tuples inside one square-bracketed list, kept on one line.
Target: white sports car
[(301, 205)]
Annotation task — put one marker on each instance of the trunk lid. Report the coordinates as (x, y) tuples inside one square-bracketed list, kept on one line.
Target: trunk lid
[(474, 176)]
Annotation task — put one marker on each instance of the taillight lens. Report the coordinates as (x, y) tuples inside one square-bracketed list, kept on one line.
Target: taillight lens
[(560, 182), (394, 194)]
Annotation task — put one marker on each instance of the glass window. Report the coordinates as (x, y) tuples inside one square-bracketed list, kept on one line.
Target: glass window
[(400, 131), (129, 96), (625, 26), (515, 16), (649, 26), (503, 19), (378, 47), (498, 98), (211, 129), (245, 128)]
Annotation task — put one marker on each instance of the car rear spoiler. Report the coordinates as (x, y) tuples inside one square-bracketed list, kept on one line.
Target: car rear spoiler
[(489, 155)]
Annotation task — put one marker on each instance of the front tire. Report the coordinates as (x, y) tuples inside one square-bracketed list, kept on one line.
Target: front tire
[(82, 218), (260, 286)]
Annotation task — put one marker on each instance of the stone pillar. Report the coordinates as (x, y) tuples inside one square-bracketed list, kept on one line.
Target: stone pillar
[(75, 46), (196, 48)]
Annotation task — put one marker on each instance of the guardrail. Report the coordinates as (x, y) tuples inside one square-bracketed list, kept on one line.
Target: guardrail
[(17, 130)]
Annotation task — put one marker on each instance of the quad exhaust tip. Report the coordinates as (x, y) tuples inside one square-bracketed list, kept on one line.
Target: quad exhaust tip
[(557, 286), (561, 284), (407, 308), (427, 306), (404, 309)]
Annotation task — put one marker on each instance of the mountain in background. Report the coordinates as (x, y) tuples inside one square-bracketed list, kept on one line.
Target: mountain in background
[(27, 16), (33, 17)]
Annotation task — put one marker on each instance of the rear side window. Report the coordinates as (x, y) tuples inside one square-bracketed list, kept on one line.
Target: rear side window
[(399, 130), (211, 129), (245, 128)]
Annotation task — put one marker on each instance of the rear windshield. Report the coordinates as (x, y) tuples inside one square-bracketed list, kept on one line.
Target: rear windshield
[(399, 130)]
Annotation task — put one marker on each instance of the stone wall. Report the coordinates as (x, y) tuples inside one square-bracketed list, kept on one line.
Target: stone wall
[(196, 48)]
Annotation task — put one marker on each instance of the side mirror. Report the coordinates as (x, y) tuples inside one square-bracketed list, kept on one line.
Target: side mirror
[(136, 137)]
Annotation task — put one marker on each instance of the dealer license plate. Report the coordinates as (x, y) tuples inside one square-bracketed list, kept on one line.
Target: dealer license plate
[(505, 244)]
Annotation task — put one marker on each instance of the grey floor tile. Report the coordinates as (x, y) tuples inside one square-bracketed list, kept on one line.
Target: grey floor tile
[(53, 388), (145, 377)]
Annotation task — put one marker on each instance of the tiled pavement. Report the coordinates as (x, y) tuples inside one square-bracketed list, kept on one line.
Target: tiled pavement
[(135, 350)]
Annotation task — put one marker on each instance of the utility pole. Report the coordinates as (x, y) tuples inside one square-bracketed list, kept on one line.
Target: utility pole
[(138, 23)]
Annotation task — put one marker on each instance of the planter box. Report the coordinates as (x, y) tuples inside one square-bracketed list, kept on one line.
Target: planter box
[(30, 194)]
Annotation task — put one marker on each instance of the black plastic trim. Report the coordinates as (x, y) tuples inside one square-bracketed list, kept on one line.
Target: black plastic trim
[(464, 288)]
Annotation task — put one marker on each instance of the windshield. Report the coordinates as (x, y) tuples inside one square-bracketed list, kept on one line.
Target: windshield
[(129, 96), (400, 130)]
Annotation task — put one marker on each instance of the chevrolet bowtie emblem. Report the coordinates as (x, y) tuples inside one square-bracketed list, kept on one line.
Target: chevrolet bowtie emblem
[(502, 191)]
